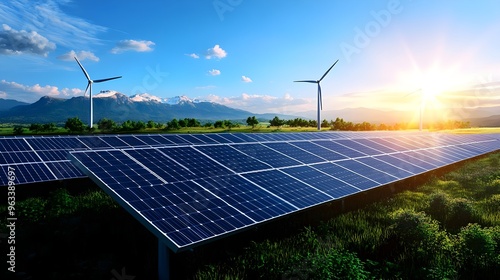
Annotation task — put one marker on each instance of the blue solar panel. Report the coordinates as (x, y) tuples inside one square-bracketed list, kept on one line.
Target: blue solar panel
[(176, 139), (18, 157), (328, 184), (341, 149), (369, 172), (14, 145), (54, 155), (26, 173), (114, 142), (319, 150), (297, 193), (218, 138), (353, 145), (65, 170), (202, 189), (248, 198), (294, 152), (264, 154), (400, 173), (232, 158), (401, 163), (117, 169), (197, 163), (375, 145), (161, 165), (131, 140), (94, 143), (346, 175)]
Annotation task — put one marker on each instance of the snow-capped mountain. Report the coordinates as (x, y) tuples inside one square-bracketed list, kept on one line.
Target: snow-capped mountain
[(146, 97)]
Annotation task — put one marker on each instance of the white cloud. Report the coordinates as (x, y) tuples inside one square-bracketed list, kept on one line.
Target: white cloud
[(25, 93), (263, 103), (133, 45), (214, 72), (246, 79), (47, 18), (193, 55), (215, 52), (81, 55), (14, 42)]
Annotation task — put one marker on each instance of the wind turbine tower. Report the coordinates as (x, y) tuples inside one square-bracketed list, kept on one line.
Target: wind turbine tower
[(89, 86), (320, 100)]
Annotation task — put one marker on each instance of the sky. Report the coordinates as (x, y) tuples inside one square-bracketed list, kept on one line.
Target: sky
[(247, 53)]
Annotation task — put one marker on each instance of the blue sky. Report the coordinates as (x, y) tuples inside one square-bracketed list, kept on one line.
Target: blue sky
[(247, 53)]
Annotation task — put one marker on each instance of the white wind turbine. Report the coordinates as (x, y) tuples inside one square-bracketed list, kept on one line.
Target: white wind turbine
[(320, 100), (89, 85)]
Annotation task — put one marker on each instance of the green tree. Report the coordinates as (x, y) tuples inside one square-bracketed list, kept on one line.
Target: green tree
[(219, 124), (325, 123), (252, 121), (106, 124), (183, 123), (74, 125), (18, 130), (138, 125), (35, 127), (193, 123), (150, 124), (173, 124), (276, 121), (49, 127)]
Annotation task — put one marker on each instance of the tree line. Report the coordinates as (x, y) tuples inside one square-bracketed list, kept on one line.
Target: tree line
[(341, 124), (75, 125)]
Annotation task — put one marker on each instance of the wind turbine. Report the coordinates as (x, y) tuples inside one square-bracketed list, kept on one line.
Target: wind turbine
[(421, 106), (89, 85), (320, 100)]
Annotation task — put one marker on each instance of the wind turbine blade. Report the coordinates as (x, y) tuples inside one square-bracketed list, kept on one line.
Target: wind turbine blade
[(83, 69), (85, 93), (326, 73), (103, 80), (306, 81)]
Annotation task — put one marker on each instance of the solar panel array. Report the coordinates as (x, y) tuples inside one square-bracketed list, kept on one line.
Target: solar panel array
[(208, 186), (45, 158)]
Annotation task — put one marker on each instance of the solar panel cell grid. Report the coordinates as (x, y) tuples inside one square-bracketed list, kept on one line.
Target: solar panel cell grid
[(289, 189), (341, 149), (346, 175), (232, 158), (195, 162), (294, 152), (321, 181)]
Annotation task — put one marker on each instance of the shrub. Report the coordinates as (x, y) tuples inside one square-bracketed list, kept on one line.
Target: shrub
[(439, 206), (476, 248), (462, 212)]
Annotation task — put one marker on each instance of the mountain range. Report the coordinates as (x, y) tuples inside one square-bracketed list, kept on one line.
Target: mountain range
[(119, 107)]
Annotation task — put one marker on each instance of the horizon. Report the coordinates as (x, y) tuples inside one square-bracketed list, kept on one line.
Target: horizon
[(386, 50)]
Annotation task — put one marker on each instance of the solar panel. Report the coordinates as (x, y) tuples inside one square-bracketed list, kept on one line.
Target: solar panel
[(267, 155), (208, 186), (441, 148)]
